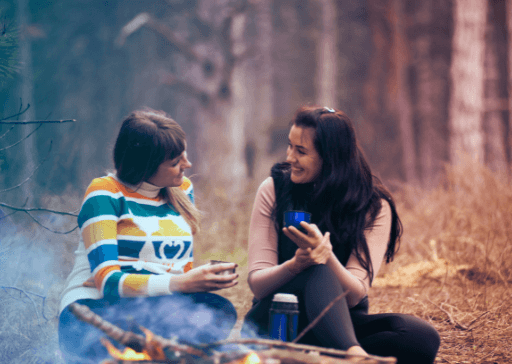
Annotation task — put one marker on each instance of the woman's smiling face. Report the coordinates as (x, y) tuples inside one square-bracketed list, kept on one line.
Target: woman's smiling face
[(170, 173), (305, 161)]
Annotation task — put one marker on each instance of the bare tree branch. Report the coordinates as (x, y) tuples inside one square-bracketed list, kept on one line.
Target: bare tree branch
[(37, 122), (27, 294), (21, 140), (18, 114), (34, 171), (37, 209), (51, 230), (7, 132)]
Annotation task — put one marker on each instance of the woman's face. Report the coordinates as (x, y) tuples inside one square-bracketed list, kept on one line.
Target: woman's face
[(305, 161), (170, 172)]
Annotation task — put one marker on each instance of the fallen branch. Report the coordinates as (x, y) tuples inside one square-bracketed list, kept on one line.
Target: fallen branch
[(319, 317), (370, 359), (128, 338), (450, 318)]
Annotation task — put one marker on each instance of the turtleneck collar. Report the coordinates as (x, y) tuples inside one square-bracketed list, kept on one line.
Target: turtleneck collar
[(145, 188)]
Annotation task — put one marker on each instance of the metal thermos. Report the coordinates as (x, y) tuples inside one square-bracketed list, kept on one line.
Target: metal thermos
[(284, 317)]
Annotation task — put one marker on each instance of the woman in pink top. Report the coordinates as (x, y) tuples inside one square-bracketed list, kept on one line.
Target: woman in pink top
[(354, 227)]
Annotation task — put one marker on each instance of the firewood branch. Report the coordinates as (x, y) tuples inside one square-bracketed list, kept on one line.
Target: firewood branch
[(128, 338), (308, 348), (290, 355)]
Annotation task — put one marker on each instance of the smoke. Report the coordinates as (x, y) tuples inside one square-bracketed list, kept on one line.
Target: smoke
[(33, 265)]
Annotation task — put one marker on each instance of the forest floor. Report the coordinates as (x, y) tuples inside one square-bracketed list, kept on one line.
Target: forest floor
[(453, 268)]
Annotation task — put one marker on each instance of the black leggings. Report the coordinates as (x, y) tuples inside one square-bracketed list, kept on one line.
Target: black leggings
[(408, 338)]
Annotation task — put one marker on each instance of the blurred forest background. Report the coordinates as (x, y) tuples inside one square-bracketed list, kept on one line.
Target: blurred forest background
[(427, 84)]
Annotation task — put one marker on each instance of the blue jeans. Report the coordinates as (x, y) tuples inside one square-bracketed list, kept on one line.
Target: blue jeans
[(192, 318)]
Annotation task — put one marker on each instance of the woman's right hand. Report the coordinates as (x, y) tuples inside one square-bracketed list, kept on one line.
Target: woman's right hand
[(204, 279), (305, 258)]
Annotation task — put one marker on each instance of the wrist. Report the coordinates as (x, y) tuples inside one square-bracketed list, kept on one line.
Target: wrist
[(292, 267), (176, 284)]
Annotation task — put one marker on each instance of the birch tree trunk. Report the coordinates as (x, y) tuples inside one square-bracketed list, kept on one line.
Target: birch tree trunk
[(495, 92), (467, 76), (327, 75)]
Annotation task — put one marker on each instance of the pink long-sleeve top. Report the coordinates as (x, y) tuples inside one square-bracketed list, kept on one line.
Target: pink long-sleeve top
[(265, 275)]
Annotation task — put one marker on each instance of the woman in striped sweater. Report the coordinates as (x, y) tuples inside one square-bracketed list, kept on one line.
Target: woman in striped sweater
[(134, 263)]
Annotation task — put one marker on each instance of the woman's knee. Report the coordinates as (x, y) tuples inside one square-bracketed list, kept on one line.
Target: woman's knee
[(320, 278), (418, 339)]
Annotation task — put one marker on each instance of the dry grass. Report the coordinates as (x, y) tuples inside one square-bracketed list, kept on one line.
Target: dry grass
[(453, 268)]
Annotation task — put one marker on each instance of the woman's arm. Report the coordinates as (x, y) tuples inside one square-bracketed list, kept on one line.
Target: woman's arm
[(354, 277), (265, 275), (98, 219)]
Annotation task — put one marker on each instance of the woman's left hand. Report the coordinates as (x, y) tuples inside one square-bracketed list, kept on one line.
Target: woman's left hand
[(311, 239)]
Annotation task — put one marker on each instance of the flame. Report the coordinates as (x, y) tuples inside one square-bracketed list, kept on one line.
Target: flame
[(153, 347), (127, 354), (251, 358)]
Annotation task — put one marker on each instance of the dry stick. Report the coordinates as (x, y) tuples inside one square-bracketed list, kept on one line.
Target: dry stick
[(450, 318), (304, 347), (128, 338), (319, 317)]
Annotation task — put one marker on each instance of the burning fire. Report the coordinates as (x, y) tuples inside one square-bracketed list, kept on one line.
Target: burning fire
[(127, 354), (251, 358), (152, 350)]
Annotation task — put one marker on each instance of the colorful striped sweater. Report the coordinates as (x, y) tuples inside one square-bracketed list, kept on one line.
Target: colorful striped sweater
[(131, 243)]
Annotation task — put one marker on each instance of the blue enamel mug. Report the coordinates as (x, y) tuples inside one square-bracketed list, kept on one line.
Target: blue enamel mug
[(293, 218)]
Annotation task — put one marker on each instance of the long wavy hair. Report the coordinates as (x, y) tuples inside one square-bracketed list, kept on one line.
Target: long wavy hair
[(345, 199), (148, 138)]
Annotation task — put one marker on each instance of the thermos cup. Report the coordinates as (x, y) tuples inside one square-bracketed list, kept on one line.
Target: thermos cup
[(284, 317), (293, 218)]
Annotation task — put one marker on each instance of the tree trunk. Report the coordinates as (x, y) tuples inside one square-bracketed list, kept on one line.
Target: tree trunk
[(400, 98), (495, 91), (259, 111), (327, 75), (467, 77), (430, 48), (382, 129), (508, 125)]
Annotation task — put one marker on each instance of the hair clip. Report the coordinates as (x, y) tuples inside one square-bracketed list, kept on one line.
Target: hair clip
[(329, 109)]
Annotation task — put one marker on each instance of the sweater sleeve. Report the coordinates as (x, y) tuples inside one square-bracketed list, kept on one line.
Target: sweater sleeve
[(98, 219)]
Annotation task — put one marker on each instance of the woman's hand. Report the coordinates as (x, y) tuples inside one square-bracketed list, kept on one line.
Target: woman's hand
[(204, 279), (305, 258), (311, 239)]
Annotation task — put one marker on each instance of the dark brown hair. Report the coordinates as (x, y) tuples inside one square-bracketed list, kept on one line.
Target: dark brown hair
[(346, 197), (148, 138)]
